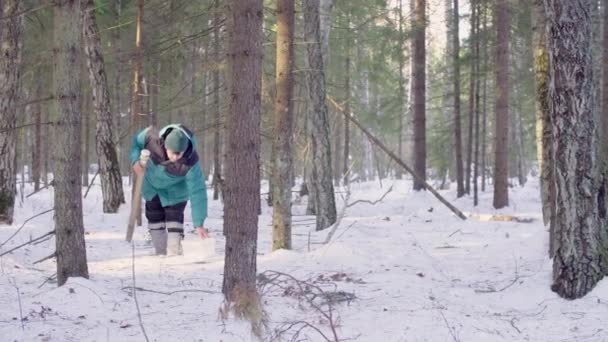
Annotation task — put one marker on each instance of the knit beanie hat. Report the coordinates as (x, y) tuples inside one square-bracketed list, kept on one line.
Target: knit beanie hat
[(176, 140)]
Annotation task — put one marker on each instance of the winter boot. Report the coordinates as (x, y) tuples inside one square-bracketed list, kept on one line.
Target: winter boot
[(159, 240), (174, 243)]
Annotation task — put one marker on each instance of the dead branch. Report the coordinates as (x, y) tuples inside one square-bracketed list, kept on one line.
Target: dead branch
[(91, 184), (27, 243), (23, 225), (51, 183), (51, 277), (370, 202), (398, 160), (46, 258), (450, 329), (306, 292), (141, 289), (13, 282)]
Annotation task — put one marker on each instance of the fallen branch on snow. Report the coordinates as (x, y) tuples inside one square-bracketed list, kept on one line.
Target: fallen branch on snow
[(370, 202), (28, 243), (23, 225)]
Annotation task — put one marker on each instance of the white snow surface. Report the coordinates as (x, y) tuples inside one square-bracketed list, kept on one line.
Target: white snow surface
[(417, 273)]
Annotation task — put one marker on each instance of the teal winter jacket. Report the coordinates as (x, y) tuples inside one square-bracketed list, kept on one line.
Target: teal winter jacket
[(173, 182)]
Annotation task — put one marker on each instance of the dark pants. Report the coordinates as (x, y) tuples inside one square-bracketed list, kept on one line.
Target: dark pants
[(170, 218)]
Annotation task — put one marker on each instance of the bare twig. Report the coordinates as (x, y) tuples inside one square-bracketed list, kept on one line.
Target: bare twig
[(51, 277), (141, 323), (141, 289), (491, 289), (51, 183), (370, 202), (23, 225), (458, 230), (308, 292), (450, 329), (14, 283), (46, 258), (91, 184), (29, 242)]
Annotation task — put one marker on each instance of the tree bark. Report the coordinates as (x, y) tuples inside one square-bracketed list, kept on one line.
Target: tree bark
[(580, 259), (242, 193), (419, 79), (476, 106), (473, 37), (457, 117), (136, 103), (347, 90), (323, 189), (109, 169), (284, 122), (501, 161), (401, 97), (217, 142), (37, 151), (11, 41), (69, 229)]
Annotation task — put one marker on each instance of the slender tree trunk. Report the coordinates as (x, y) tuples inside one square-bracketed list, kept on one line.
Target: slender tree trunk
[(321, 174), (346, 153), (109, 170), (11, 41), (476, 106), (460, 191), (69, 228), (402, 95), (85, 108), (242, 192), (122, 155), (136, 104), (419, 93), (501, 162), (37, 151), (474, 37), (484, 105), (580, 259), (217, 143), (284, 122), (337, 134)]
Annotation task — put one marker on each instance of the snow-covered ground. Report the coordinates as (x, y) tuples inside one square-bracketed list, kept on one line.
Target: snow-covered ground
[(406, 267)]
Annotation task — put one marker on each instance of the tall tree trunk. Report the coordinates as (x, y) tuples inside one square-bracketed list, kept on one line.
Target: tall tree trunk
[(402, 95), (474, 37), (136, 103), (321, 174), (501, 161), (457, 118), (217, 143), (69, 228), (242, 192), (476, 106), (580, 259), (85, 109), (284, 122), (11, 41), (326, 8), (484, 124), (122, 154), (37, 151), (109, 170), (347, 90), (337, 149), (419, 93)]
